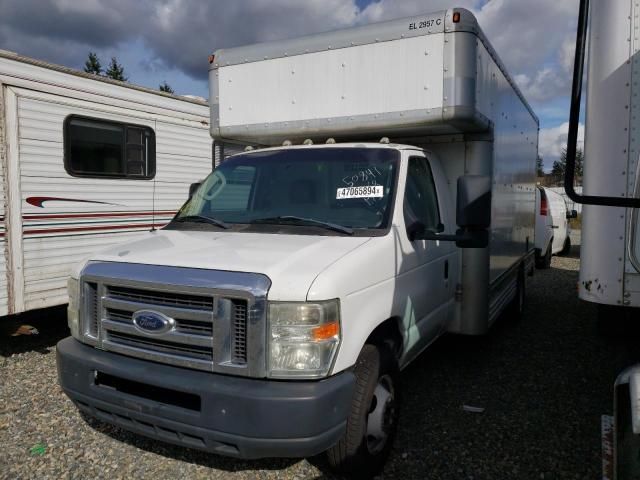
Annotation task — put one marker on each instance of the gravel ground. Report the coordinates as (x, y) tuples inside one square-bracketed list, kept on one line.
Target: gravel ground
[(544, 382)]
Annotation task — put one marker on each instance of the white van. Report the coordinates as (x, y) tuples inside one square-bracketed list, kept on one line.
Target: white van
[(272, 315), (553, 232)]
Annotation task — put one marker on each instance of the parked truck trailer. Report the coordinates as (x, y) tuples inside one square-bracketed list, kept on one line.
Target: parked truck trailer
[(610, 248), (388, 197), (85, 162)]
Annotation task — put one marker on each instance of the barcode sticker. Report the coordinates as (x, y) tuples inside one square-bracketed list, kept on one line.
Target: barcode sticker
[(367, 191)]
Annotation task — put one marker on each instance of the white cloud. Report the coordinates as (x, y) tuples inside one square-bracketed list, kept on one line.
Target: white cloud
[(533, 38), (553, 140), (546, 84), (528, 34), (535, 41)]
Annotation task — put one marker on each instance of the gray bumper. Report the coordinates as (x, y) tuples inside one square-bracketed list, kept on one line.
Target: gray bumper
[(239, 417)]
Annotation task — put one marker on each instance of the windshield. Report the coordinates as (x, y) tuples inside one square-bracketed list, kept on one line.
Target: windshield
[(318, 187)]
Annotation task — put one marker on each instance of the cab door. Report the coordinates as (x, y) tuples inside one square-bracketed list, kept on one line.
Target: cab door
[(426, 267)]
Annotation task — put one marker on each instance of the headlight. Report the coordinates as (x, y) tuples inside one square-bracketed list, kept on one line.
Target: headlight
[(73, 310), (303, 338)]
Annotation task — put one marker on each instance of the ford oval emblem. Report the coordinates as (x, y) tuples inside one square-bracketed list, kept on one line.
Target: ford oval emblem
[(148, 321)]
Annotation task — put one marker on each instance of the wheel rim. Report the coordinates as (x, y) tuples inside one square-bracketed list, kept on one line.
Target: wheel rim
[(381, 415)]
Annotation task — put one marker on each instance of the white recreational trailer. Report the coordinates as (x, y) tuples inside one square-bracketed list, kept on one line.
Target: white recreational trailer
[(85, 162)]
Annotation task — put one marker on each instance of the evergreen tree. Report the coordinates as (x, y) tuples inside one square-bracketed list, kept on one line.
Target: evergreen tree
[(165, 87), (559, 166), (92, 65), (115, 70), (539, 167)]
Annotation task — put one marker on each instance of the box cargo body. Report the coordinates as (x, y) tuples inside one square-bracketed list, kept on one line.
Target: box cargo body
[(610, 265), (610, 244), (399, 78), (424, 81), (49, 218)]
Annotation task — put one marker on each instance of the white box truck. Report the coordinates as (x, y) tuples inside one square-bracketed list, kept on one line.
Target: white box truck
[(271, 316), (610, 247), (85, 162)]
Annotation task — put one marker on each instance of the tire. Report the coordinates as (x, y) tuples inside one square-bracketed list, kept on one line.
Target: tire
[(515, 309), (566, 248), (371, 425), (544, 262)]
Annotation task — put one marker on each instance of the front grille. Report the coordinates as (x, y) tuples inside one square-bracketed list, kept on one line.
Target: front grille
[(161, 346), (193, 327), (215, 321), (91, 291), (169, 299), (239, 334), (189, 343)]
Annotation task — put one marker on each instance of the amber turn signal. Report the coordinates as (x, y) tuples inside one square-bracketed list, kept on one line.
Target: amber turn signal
[(326, 331)]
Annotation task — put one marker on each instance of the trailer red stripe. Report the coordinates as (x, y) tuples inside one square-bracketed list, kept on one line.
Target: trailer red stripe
[(95, 215), (85, 229), (39, 201)]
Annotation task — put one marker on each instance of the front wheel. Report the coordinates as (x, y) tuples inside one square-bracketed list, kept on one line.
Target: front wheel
[(372, 421)]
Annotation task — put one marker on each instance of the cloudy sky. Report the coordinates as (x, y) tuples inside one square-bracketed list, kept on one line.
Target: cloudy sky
[(169, 40)]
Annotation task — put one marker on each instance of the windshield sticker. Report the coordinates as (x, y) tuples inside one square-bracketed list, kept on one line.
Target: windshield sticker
[(369, 191), (363, 176)]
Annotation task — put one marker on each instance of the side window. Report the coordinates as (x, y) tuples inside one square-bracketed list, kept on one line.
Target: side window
[(420, 198), (97, 148)]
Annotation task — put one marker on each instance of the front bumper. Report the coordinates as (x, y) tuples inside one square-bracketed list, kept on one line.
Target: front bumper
[(239, 417)]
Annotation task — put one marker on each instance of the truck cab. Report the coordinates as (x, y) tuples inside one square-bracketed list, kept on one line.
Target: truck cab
[(342, 223), (334, 234)]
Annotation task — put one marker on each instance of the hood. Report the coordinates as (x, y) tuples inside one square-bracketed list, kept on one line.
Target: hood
[(292, 262)]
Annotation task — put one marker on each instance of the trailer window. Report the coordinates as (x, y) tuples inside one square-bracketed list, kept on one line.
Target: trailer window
[(420, 198), (97, 148)]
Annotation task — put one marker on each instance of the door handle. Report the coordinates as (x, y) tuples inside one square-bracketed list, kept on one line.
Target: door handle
[(446, 269)]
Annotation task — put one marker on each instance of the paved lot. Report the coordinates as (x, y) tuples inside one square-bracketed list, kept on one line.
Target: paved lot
[(544, 382)]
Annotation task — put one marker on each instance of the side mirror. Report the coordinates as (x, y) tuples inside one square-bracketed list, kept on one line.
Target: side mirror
[(572, 214), (193, 187), (473, 209), (473, 216), (418, 231)]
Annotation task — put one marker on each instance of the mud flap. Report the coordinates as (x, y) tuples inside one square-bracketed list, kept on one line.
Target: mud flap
[(626, 428)]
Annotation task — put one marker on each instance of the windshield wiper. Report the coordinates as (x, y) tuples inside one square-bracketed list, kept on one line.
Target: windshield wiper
[(303, 220), (203, 219)]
